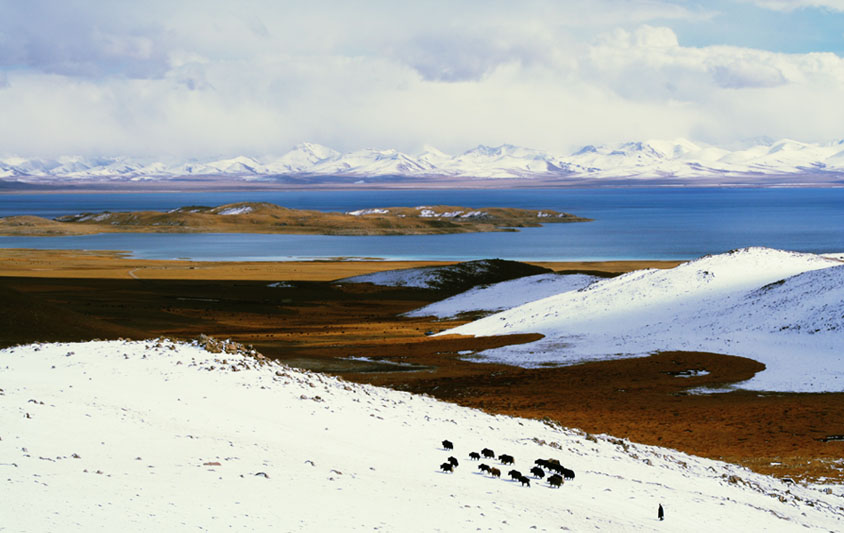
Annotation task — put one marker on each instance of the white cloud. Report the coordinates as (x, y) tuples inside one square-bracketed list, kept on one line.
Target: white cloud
[(207, 78), (791, 5)]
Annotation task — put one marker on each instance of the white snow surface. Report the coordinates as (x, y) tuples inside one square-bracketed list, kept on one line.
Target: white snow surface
[(720, 303), (422, 277), (373, 211), (505, 294), (159, 436), (241, 210), (656, 158)]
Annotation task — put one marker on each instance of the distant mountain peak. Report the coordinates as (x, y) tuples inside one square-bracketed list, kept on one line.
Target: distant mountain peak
[(677, 158)]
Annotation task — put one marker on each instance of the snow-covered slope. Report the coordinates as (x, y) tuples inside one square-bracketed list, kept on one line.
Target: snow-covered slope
[(505, 295), (457, 276), (157, 436), (781, 308), (679, 158)]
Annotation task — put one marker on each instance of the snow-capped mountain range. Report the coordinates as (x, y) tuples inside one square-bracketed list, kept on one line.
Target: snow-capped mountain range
[(653, 159)]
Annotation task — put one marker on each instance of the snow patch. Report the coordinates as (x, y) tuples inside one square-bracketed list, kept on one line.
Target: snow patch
[(241, 210), (505, 295), (362, 212)]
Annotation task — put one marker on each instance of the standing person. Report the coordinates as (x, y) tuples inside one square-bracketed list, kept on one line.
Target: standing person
[(660, 512)]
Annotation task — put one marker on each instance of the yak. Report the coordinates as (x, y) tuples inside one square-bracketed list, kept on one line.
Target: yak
[(486, 452), (555, 467), (514, 474), (568, 474), (524, 481), (453, 461), (538, 472), (448, 445), (474, 456), (506, 459), (483, 468), (495, 472), (555, 481), (446, 467)]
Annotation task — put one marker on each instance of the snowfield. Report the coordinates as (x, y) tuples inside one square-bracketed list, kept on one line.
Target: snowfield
[(505, 295), (159, 436), (784, 309)]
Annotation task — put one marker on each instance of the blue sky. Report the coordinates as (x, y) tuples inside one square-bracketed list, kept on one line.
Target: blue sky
[(205, 78), (745, 24)]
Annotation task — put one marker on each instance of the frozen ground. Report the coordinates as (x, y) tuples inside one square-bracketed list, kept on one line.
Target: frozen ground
[(157, 436), (784, 309), (505, 295)]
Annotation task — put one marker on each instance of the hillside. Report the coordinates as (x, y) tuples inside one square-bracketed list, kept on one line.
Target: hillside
[(457, 277), (783, 309), (503, 295), (261, 217), (161, 436)]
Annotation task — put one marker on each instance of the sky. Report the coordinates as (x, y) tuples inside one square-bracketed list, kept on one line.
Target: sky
[(218, 78)]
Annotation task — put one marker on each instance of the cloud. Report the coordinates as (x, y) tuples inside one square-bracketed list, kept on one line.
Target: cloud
[(207, 78), (791, 5)]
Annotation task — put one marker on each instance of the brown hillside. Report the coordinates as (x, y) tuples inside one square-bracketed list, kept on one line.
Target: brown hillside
[(260, 217)]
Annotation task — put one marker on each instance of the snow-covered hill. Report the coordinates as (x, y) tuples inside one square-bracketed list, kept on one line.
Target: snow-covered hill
[(781, 308), (459, 276), (505, 294), (678, 158), (159, 436)]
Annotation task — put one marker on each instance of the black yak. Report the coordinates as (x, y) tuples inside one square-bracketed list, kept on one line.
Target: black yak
[(555, 481), (483, 468), (453, 461), (568, 474), (486, 452), (448, 445), (524, 481), (506, 459), (538, 472), (474, 456), (446, 467), (514, 474), (495, 472), (555, 467)]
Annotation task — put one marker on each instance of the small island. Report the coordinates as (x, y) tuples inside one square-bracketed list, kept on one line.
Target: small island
[(262, 217)]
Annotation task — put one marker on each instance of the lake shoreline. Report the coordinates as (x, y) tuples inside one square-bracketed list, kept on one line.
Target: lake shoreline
[(116, 264)]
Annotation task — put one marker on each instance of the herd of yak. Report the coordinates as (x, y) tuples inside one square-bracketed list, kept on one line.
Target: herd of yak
[(552, 465)]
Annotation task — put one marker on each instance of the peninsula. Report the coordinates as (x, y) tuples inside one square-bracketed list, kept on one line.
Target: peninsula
[(261, 217)]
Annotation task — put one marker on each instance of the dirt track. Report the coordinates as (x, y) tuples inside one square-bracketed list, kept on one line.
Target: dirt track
[(320, 325)]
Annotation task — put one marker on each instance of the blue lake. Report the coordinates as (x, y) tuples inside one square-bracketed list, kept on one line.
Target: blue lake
[(633, 223)]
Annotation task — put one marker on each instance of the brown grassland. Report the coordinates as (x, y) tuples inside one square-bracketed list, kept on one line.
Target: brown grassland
[(261, 217), (311, 323)]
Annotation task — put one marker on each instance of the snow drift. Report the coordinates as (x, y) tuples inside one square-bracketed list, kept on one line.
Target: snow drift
[(781, 308), (159, 436)]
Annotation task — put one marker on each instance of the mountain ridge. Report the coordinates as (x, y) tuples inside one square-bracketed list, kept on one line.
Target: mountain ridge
[(679, 158)]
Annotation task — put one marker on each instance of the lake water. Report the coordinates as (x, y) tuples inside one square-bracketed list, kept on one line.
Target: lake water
[(629, 224)]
